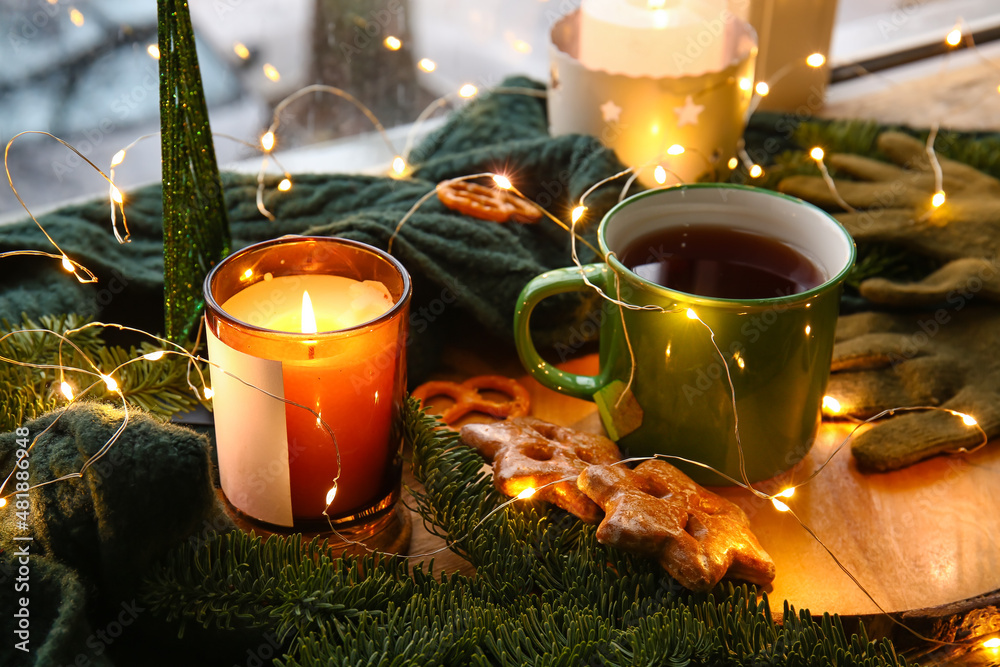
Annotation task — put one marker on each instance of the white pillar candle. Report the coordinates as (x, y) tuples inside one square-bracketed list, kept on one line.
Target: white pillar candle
[(656, 38)]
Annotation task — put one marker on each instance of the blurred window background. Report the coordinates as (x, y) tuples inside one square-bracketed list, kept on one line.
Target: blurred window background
[(87, 72)]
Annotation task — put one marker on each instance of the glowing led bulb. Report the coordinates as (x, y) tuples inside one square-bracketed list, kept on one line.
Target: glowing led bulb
[(66, 264), (676, 149), (992, 643), (660, 174), (285, 185), (153, 356), (968, 420), (427, 65), (248, 274), (691, 314), (267, 141), (502, 182), (780, 506), (578, 213), (521, 46), (938, 199), (526, 493), (816, 60), (331, 494), (118, 158), (208, 392), (954, 37), (271, 72), (787, 493), (831, 405), (399, 166), (76, 16), (746, 84), (241, 51), (116, 195), (66, 390), (733, 163), (110, 382), (3, 502), (392, 43), (756, 171), (467, 91), (817, 153), (762, 88), (154, 51)]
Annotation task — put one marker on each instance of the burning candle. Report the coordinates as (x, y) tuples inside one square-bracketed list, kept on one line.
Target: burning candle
[(656, 38), (314, 331)]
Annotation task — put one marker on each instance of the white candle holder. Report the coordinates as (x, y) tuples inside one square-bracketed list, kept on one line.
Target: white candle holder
[(687, 126)]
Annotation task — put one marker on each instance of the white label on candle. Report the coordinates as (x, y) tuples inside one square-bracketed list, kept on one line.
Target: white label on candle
[(253, 453)]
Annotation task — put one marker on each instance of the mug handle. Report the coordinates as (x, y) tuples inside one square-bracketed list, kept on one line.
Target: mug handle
[(550, 283)]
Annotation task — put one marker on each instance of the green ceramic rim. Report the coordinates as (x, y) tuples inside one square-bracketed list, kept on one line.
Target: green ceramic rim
[(612, 260)]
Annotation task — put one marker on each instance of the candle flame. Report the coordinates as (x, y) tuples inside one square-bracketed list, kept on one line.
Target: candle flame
[(308, 316)]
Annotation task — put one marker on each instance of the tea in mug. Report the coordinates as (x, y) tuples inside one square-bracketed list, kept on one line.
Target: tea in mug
[(717, 261)]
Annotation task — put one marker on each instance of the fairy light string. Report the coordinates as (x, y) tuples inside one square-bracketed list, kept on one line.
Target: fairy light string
[(400, 167)]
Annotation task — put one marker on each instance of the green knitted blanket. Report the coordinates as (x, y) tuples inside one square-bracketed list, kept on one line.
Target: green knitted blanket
[(477, 266)]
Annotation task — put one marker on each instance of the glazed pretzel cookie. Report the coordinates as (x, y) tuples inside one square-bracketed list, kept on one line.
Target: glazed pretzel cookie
[(528, 452), (468, 398), (656, 510), (486, 203)]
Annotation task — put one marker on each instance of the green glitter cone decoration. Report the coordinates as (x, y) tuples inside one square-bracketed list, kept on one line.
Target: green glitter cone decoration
[(195, 225)]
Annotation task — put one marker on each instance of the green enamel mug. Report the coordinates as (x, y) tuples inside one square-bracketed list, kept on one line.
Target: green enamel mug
[(705, 378)]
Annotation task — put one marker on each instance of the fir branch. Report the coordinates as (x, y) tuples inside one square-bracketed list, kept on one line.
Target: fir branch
[(545, 593), (158, 387)]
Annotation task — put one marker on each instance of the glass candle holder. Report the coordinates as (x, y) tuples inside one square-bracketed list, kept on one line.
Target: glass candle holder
[(308, 379)]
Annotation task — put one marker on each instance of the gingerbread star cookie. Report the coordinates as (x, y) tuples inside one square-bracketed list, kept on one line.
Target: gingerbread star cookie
[(528, 452), (658, 511)]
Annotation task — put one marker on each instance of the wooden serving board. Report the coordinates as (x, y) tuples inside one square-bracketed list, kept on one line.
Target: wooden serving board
[(925, 536)]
